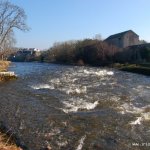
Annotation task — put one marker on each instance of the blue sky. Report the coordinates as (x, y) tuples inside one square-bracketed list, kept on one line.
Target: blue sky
[(60, 20)]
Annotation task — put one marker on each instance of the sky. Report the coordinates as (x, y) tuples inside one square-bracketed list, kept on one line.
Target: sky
[(62, 20)]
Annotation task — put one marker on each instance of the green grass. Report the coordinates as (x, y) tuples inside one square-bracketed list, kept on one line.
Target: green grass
[(145, 65), (134, 68)]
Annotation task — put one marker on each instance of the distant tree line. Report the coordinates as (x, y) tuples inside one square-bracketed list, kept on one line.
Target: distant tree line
[(94, 52), (135, 54), (88, 51)]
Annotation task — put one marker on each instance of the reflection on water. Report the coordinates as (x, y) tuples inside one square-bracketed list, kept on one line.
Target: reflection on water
[(74, 108)]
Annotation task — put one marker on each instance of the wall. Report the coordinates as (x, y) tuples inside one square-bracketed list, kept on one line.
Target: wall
[(130, 39), (124, 40), (116, 41)]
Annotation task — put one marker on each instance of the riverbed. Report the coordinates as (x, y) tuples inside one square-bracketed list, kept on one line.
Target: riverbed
[(76, 108)]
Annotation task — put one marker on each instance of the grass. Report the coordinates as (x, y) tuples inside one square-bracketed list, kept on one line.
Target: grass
[(6, 142), (4, 65), (134, 68)]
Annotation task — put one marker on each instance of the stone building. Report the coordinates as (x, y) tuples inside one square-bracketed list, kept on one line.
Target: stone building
[(123, 39), (25, 54)]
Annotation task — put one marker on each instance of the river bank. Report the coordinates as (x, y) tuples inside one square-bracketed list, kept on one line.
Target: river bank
[(4, 74), (5, 140), (134, 68)]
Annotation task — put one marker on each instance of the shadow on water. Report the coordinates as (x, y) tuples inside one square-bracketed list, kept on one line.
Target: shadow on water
[(74, 108)]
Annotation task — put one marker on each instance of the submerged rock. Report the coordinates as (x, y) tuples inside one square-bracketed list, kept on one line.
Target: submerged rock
[(6, 76)]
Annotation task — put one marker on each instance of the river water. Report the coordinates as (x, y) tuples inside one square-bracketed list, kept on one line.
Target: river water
[(76, 108)]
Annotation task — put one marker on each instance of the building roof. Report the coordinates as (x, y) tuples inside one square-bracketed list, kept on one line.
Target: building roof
[(120, 34)]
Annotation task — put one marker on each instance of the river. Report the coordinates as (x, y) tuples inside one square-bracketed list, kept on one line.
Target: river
[(76, 108)]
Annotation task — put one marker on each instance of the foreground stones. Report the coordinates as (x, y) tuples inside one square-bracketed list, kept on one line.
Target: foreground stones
[(6, 76)]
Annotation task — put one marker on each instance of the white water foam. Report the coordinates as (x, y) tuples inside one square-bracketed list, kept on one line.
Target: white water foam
[(42, 86), (129, 108), (99, 73), (143, 92), (73, 105), (55, 81), (81, 142), (62, 143), (87, 72), (77, 90), (104, 73), (110, 73), (53, 132), (138, 121), (144, 116)]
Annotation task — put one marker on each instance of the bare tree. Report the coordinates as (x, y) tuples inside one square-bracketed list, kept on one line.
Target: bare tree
[(98, 37), (7, 45), (11, 17)]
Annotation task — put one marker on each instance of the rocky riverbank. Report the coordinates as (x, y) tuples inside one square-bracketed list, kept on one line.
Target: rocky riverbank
[(4, 74), (134, 68)]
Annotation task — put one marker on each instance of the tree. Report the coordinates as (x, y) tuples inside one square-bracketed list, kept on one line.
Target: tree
[(11, 17), (143, 42), (7, 46), (98, 37)]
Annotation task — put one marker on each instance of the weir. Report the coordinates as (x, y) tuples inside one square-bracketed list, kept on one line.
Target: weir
[(71, 107)]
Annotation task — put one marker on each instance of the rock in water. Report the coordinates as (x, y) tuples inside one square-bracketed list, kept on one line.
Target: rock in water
[(6, 76)]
